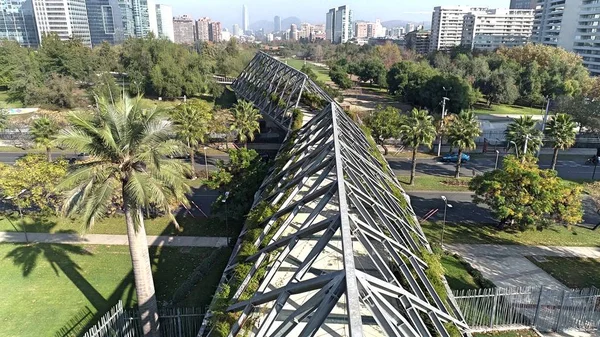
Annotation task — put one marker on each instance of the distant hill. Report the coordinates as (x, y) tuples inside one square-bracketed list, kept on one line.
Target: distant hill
[(268, 26), (402, 23)]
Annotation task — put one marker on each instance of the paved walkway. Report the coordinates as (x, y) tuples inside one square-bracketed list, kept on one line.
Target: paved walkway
[(506, 265), (103, 239)]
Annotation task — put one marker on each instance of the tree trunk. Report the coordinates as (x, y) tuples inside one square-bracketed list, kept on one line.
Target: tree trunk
[(458, 163), (193, 162), (142, 272), (49, 154), (413, 169), (385, 149), (554, 158)]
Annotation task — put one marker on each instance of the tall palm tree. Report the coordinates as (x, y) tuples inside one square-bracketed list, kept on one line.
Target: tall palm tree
[(245, 121), (417, 129), (562, 129), (523, 130), (44, 131), (3, 119), (462, 131), (191, 121), (129, 149)]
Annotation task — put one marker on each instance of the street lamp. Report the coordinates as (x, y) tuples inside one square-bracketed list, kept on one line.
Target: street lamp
[(595, 166), (226, 211), (444, 99), (497, 157), (446, 205), (516, 148), (205, 163)]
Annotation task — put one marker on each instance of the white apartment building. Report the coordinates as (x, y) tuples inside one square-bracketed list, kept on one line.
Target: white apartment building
[(339, 27), (163, 18), (66, 18), (490, 29), (447, 26)]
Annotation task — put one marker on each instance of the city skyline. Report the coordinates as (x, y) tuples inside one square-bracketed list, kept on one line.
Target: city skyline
[(314, 11)]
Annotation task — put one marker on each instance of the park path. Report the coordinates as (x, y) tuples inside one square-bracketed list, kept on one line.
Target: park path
[(507, 265), (104, 239)]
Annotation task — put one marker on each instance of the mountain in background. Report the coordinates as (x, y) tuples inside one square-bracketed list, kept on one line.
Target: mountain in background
[(268, 25), (402, 23)]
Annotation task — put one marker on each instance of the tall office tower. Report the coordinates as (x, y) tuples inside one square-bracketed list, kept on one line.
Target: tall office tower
[(66, 18), (447, 26), (294, 32), (493, 28), (183, 27), (523, 4), (214, 32), (277, 24), (236, 30), (343, 25), (410, 28), (142, 20), (203, 29), (126, 10), (245, 19), (360, 30), (163, 17), (330, 25), (105, 21), (17, 22)]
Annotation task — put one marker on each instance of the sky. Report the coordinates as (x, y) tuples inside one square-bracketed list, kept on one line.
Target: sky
[(229, 12)]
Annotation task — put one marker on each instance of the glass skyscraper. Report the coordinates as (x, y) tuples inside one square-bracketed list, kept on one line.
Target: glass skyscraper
[(17, 22), (105, 20)]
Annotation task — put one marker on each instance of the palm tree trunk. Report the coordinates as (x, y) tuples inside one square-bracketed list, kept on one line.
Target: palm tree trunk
[(193, 162), (385, 149), (48, 154), (554, 158), (414, 165), (142, 272), (458, 163)]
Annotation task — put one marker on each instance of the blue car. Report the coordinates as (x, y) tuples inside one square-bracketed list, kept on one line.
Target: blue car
[(453, 157)]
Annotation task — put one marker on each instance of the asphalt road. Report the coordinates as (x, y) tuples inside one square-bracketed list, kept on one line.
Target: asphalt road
[(570, 168), (465, 211)]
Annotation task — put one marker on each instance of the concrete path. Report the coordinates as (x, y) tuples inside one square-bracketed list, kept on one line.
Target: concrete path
[(103, 239), (506, 265)]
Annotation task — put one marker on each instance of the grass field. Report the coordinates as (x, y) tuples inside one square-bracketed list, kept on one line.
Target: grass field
[(322, 73), (482, 234), (457, 276), (435, 183), (43, 286), (4, 101), (502, 109), (510, 333), (572, 271)]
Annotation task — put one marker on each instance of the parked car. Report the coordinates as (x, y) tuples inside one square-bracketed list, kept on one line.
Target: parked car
[(80, 157), (453, 157)]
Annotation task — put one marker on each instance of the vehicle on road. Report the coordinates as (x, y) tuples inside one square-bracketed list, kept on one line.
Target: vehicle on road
[(593, 160), (453, 157), (80, 157)]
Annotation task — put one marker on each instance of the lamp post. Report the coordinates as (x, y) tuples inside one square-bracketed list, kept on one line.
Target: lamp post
[(205, 163), (595, 166), (497, 157), (446, 205), (439, 152), (226, 211), (516, 148)]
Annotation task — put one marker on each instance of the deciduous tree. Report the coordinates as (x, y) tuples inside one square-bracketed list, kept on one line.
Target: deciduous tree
[(384, 124)]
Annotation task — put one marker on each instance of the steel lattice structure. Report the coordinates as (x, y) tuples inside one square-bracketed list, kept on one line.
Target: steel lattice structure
[(343, 253)]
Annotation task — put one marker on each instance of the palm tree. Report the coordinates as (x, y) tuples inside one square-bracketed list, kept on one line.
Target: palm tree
[(561, 128), (417, 129), (129, 149), (245, 121), (44, 131), (191, 121), (462, 131), (523, 130), (3, 119)]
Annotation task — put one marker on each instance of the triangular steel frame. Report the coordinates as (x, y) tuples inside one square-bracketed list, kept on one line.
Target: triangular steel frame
[(344, 249)]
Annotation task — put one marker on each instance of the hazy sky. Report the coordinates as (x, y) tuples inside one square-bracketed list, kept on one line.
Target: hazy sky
[(229, 12)]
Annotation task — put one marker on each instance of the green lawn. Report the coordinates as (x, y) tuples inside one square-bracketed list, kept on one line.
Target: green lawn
[(457, 276), (572, 271), (4, 101), (322, 73), (435, 183), (510, 333), (503, 109), (481, 234), (44, 286), (116, 225)]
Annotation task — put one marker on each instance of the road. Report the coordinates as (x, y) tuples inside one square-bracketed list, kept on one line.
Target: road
[(465, 211), (570, 168)]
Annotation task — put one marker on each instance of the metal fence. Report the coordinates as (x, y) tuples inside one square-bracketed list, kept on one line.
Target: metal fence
[(544, 309), (174, 322)]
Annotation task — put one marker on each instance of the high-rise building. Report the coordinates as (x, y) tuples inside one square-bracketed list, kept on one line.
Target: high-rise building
[(523, 4), (447, 26), (360, 30), (214, 32), (418, 41), (294, 32), (410, 27), (203, 29), (126, 10), (17, 22), (245, 19), (164, 22), (339, 24), (105, 21), (277, 24), (236, 30), (306, 31), (66, 18), (490, 29), (183, 27), (141, 10)]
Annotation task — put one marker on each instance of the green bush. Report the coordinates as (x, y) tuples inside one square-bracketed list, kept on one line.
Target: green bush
[(297, 119)]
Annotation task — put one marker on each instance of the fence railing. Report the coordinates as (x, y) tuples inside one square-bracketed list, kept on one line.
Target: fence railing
[(174, 322), (544, 309)]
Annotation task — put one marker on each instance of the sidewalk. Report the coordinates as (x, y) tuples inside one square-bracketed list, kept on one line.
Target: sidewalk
[(103, 239), (506, 265)]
